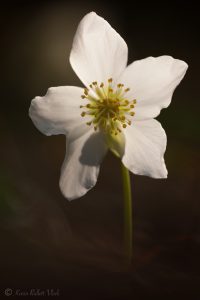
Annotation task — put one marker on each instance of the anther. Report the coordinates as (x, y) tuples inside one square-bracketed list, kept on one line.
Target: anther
[(124, 125), (127, 90), (101, 85), (86, 91), (126, 102), (110, 80), (134, 101), (132, 113), (83, 114), (83, 96)]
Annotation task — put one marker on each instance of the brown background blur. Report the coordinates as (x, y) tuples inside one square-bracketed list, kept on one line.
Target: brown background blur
[(77, 247)]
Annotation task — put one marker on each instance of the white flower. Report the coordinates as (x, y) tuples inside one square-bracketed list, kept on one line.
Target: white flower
[(115, 110)]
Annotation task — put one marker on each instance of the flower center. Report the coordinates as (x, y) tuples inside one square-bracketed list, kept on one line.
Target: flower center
[(109, 108)]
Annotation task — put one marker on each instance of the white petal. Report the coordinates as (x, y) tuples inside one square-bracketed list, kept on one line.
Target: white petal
[(152, 81), (81, 165), (58, 112), (144, 149), (98, 52)]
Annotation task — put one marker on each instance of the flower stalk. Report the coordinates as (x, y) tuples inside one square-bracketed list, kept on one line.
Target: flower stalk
[(128, 222)]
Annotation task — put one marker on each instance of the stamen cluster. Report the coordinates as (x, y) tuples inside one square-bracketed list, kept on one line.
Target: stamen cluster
[(109, 108)]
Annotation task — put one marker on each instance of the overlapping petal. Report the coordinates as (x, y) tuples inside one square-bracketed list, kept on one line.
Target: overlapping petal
[(58, 112), (98, 51), (152, 82), (81, 165), (145, 144)]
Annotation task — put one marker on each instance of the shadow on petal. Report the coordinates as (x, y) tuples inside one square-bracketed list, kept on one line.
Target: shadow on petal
[(93, 150)]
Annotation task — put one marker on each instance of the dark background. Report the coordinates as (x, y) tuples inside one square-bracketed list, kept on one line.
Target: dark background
[(77, 247)]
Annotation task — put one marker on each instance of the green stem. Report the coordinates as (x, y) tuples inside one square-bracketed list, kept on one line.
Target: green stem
[(127, 213)]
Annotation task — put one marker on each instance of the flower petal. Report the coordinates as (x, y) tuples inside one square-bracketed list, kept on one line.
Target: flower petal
[(152, 82), (98, 52), (58, 112), (80, 168), (144, 149)]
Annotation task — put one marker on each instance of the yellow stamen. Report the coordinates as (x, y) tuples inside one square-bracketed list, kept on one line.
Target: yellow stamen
[(107, 107)]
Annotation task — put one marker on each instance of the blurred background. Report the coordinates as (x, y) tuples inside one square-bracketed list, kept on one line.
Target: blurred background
[(77, 247)]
